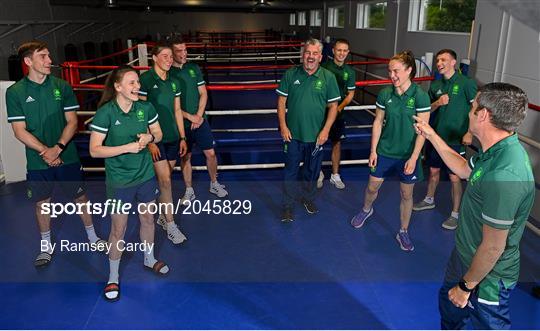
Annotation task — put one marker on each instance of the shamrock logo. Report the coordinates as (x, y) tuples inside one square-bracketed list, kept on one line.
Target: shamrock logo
[(140, 115), (476, 175), (57, 94)]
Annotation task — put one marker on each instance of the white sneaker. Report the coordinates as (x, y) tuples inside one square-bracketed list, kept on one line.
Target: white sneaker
[(320, 180), (162, 221), (188, 196), (335, 180), (218, 190), (175, 235)]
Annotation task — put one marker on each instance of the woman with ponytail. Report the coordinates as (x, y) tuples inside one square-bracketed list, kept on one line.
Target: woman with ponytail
[(395, 146), (122, 128)]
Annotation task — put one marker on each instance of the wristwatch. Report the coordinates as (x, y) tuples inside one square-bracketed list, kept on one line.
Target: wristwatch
[(183, 138), (62, 146), (153, 138), (463, 286)]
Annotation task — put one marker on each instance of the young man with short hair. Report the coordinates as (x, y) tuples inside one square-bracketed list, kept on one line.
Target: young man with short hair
[(42, 111)]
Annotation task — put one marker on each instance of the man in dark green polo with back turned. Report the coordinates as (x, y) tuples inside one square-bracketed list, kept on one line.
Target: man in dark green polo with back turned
[(484, 266), (306, 91), (42, 111)]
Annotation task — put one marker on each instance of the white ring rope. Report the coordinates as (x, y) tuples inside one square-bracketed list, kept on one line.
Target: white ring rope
[(104, 74), (240, 59), (246, 111), (244, 166), (247, 82), (243, 54)]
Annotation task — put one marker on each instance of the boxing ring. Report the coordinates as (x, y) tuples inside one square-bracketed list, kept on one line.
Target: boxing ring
[(245, 271), (242, 102)]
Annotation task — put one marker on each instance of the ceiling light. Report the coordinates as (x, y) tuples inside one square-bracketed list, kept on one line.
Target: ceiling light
[(111, 3)]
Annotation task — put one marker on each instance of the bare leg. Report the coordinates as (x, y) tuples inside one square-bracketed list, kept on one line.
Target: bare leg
[(336, 156), (406, 204), (457, 192), (433, 181), (211, 164), (372, 191), (187, 170), (163, 174)]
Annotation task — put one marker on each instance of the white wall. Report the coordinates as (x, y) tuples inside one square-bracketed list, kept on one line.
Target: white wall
[(508, 50)]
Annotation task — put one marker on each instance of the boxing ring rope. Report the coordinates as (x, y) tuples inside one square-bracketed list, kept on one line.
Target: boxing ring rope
[(260, 85)]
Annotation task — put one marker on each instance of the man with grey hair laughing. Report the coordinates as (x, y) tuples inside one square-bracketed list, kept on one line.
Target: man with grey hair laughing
[(307, 90)]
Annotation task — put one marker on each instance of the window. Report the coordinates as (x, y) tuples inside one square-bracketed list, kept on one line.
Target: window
[(302, 18), (315, 18), (292, 19), (371, 15), (336, 17), (441, 15)]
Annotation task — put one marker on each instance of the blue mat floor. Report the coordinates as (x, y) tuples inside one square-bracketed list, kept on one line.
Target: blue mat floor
[(247, 271)]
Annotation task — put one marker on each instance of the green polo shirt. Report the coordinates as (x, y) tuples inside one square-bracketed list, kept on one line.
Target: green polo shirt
[(452, 120), (190, 78), (398, 136), (500, 194), (345, 77), (307, 98), (121, 128), (42, 107), (161, 94)]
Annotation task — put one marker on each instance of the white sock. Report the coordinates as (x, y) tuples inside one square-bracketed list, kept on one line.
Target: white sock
[(91, 232), (403, 230), (189, 190), (455, 214), (114, 266), (149, 259), (367, 211), (46, 236), (335, 175), (429, 200)]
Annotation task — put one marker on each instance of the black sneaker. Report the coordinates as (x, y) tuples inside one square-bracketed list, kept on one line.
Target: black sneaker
[(287, 215), (311, 208)]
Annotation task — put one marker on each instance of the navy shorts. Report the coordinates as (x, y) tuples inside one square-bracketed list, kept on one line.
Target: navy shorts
[(388, 166), (202, 137), (68, 177), (434, 160), (144, 192), (337, 131), (169, 151)]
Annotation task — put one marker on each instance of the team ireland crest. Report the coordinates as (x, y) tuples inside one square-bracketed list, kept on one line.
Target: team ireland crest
[(318, 84), (410, 103), (140, 115), (476, 175), (57, 94)]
